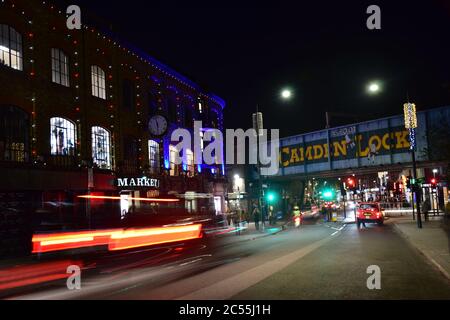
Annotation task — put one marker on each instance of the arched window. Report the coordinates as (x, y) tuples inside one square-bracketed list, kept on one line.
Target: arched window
[(14, 139), (10, 47), (60, 67), (101, 147), (98, 80), (153, 156), (62, 137)]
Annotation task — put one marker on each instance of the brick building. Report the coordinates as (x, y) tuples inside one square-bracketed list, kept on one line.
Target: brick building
[(75, 107)]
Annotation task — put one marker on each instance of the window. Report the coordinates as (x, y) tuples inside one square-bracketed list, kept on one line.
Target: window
[(98, 82), (190, 163), (153, 156), (173, 154), (10, 47), (200, 107), (60, 67), (62, 137), (128, 95), (101, 147), (14, 139)]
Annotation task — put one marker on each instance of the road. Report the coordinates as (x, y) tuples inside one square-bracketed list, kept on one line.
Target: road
[(319, 261)]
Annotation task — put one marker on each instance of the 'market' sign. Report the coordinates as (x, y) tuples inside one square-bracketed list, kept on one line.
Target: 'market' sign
[(142, 182)]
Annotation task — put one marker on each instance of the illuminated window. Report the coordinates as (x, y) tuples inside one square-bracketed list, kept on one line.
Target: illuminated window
[(200, 107), (153, 156), (60, 67), (14, 139), (10, 47), (62, 137), (190, 163), (173, 154), (101, 147), (98, 80)]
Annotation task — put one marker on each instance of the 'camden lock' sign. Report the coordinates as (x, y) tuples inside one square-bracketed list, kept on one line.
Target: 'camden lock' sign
[(142, 182)]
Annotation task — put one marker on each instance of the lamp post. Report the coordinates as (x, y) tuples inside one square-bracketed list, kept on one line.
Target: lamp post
[(411, 124), (285, 94)]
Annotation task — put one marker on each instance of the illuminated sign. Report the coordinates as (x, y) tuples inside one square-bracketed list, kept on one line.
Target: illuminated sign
[(346, 144), (143, 182)]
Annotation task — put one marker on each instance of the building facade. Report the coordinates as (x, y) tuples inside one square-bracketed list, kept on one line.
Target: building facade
[(75, 107)]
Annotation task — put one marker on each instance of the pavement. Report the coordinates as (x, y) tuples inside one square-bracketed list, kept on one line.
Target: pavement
[(432, 241)]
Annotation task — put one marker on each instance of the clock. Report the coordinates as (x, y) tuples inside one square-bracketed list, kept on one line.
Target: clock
[(157, 125)]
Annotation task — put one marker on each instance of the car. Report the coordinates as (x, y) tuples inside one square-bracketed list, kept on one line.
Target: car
[(370, 212)]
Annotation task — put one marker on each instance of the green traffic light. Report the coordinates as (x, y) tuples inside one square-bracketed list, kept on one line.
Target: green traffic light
[(271, 197), (328, 194)]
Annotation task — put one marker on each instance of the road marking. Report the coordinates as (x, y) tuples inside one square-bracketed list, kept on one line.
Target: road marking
[(228, 288)]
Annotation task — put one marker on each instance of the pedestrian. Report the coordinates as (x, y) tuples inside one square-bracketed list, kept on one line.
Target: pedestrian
[(271, 216), (256, 217)]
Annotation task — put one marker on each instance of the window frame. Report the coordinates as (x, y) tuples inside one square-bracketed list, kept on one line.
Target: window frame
[(60, 67), (16, 46), (70, 131), (12, 134), (154, 158), (102, 163), (98, 82)]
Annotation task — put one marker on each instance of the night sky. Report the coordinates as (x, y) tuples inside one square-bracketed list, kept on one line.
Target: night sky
[(246, 51)]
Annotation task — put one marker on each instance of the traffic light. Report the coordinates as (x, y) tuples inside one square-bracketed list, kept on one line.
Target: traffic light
[(433, 182), (328, 194), (271, 196), (351, 182)]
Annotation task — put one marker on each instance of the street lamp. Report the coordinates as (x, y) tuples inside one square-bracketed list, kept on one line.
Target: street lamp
[(434, 172), (286, 94), (373, 88)]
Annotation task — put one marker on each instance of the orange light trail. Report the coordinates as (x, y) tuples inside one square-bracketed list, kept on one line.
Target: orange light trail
[(21, 276), (146, 237), (115, 239), (129, 198)]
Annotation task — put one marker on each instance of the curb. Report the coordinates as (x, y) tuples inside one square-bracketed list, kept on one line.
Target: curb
[(422, 252)]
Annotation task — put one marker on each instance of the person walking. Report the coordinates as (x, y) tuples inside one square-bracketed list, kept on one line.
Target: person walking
[(256, 216)]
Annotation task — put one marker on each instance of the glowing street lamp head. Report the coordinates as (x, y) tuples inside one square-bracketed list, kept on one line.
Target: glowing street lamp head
[(373, 88), (286, 94)]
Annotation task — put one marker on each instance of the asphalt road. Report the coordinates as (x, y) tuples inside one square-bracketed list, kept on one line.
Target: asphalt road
[(318, 261)]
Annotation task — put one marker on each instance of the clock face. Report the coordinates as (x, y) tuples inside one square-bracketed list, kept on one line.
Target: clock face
[(157, 125)]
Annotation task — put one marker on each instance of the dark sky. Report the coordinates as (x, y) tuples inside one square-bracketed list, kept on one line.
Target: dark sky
[(246, 51)]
